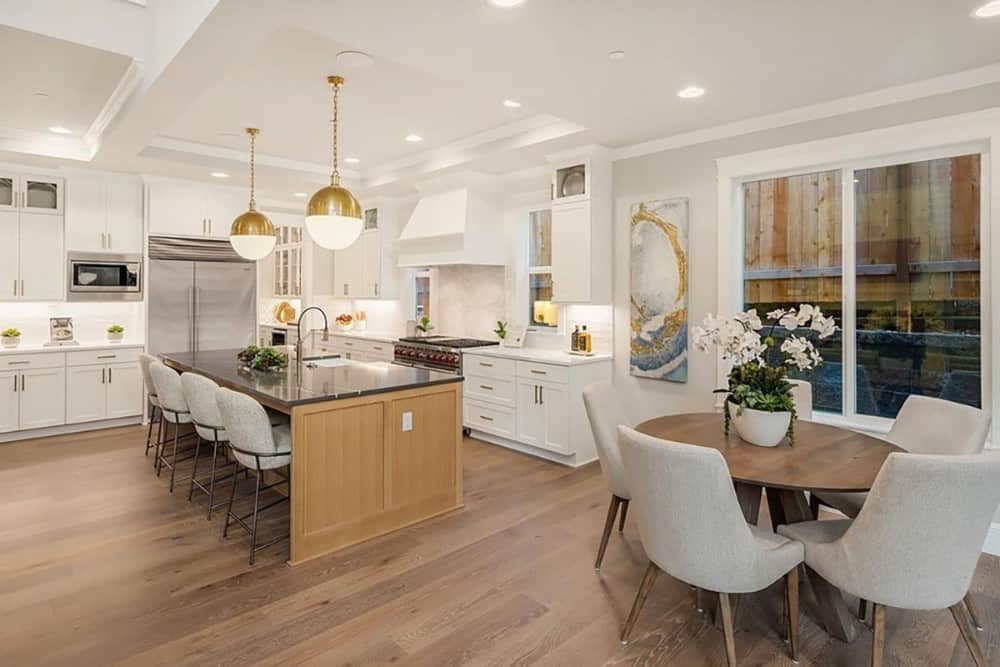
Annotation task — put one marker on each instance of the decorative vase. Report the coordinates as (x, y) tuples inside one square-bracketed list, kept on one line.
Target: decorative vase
[(764, 429), (11, 341), (116, 337)]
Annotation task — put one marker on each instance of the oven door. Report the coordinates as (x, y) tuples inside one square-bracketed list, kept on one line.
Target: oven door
[(104, 277)]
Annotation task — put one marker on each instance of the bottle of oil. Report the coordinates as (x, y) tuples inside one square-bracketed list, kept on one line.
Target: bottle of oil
[(584, 342), (574, 340)]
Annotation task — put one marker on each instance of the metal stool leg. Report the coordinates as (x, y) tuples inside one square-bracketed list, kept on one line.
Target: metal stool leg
[(253, 529), (162, 445), (211, 482), (149, 433), (194, 471), (173, 458), (229, 510)]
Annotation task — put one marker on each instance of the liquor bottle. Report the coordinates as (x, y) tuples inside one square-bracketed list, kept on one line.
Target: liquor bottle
[(574, 342)]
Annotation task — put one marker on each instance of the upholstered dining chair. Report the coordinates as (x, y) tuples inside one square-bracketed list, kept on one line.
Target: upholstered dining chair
[(174, 410), (693, 529), (258, 446), (915, 543), (606, 414), (200, 394), (154, 403)]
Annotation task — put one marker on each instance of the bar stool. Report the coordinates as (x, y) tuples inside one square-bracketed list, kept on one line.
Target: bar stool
[(174, 410), (199, 392), (257, 446), (154, 415)]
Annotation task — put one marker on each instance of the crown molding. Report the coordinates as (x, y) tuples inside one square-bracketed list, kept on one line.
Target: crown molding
[(127, 84)]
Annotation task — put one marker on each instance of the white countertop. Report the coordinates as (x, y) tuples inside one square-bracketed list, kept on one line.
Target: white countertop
[(82, 347), (544, 356)]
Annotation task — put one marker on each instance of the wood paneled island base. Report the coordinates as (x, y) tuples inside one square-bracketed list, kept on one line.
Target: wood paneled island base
[(357, 474)]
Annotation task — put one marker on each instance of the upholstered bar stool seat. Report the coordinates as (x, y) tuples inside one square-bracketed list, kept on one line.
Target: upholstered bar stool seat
[(200, 394), (174, 408), (155, 417)]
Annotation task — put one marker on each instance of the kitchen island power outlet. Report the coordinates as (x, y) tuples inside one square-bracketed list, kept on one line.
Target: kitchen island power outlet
[(407, 421)]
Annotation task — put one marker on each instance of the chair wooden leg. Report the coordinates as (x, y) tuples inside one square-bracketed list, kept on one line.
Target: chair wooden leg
[(609, 524), (727, 628), (878, 634), (973, 612), (792, 604), (621, 518), (646, 585), (968, 635)]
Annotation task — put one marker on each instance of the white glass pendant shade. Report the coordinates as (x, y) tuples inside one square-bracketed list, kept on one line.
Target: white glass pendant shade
[(254, 246)]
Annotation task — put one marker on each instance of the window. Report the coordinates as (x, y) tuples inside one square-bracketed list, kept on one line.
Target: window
[(542, 313), (912, 295), (422, 301)]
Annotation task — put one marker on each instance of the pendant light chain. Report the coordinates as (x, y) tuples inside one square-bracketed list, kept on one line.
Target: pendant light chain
[(253, 144), (335, 176)]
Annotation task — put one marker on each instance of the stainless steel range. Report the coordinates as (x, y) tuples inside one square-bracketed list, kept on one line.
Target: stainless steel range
[(439, 353)]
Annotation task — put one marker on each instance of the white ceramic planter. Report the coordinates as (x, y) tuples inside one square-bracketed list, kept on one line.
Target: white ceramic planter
[(116, 337), (764, 429), (11, 341)]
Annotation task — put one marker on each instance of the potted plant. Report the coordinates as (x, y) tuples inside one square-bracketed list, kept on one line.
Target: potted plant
[(501, 331), (11, 337), (116, 333), (345, 321), (759, 397), (262, 358), (424, 327)]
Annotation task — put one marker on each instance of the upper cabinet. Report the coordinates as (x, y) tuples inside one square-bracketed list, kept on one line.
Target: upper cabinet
[(191, 209), (287, 260), (32, 255), (367, 268), (581, 226), (31, 193), (104, 214)]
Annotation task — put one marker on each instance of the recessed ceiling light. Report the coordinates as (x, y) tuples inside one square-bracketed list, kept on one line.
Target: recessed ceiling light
[(299, 194), (219, 174), (352, 160), (690, 92), (989, 10), (414, 138), (616, 55), (506, 4), (355, 59), (59, 129), (511, 104)]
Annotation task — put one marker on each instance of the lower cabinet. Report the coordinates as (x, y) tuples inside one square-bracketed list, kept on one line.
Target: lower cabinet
[(33, 398), (8, 401), (543, 415), (103, 392)]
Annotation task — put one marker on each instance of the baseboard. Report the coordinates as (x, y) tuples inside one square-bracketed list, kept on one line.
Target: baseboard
[(566, 460), (992, 544), (14, 436)]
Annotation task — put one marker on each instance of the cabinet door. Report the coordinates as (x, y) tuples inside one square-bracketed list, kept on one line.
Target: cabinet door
[(86, 219), (371, 264), (571, 255), (554, 401), (42, 194), (8, 401), (42, 398), (530, 414), (42, 259), (124, 216), (9, 255), (177, 209), (124, 390), (348, 267), (221, 208), (86, 389), (8, 188)]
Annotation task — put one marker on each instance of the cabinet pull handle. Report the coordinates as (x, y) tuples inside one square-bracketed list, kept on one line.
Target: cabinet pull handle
[(18, 363), (109, 240), (377, 348), (109, 376), (537, 372), (485, 418), (22, 288), (345, 289), (15, 286), (22, 382), (15, 384), (103, 371), (102, 240), (376, 289), (485, 365), (107, 356), (541, 395), (536, 394), (486, 387)]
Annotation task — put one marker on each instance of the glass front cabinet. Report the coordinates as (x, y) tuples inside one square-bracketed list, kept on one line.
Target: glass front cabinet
[(288, 262), (31, 194)]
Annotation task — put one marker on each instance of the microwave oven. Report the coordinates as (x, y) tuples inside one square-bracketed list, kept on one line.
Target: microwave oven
[(104, 277)]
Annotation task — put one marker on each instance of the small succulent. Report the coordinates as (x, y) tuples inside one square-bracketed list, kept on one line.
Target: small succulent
[(263, 358), (115, 329), (10, 333), (247, 354), (425, 324), (501, 330)]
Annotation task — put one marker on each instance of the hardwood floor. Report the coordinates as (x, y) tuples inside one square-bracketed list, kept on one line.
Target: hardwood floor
[(100, 565)]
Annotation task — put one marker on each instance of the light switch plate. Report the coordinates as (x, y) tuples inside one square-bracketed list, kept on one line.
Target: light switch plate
[(407, 421)]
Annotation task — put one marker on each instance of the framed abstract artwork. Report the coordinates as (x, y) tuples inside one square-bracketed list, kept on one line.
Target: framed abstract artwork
[(659, 290)]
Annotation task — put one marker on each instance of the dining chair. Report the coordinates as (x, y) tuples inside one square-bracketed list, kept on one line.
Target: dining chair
[(154, 406), (692, 528), (200, 394), (258, 446), (174, 410), (606, 414), (916, 541)]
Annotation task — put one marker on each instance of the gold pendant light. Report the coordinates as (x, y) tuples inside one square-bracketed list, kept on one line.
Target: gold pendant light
[(252, 234), (333, 216)]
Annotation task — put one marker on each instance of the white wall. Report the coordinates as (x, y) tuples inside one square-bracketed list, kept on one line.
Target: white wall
[(691, 172)]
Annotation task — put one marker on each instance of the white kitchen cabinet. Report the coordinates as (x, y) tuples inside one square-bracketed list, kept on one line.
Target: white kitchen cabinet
[(367, 268), (41, 194), (9, 382), (8, 190), (42, 398), (192, 209), (42, 259), (86, 390), (543, 415), (349, 269), (124, 390), (32, 259), (371, 265), (570, 246), (222, 206), (103, 214), (9, 254)]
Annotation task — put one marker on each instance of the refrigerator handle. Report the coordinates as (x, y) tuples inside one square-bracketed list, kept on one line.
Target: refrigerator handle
[(191, 319), (194, 320)]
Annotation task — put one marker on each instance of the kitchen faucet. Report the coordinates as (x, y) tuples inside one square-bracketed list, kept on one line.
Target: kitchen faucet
[(298, 334)]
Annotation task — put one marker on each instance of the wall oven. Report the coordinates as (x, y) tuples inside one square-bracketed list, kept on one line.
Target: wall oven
[(104, 277)]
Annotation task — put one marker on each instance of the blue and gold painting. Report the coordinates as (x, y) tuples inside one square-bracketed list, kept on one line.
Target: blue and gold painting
[(659, 290)]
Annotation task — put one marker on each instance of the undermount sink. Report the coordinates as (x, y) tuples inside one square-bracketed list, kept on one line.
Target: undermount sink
[(327, 362)]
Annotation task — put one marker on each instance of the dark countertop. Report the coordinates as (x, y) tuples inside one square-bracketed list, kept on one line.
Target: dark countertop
[(286, 389)]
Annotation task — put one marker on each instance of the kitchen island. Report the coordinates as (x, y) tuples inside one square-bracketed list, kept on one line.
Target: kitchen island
[(375, 446)]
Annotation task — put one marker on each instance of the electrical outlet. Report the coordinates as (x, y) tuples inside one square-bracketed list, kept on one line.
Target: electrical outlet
[(407, 421)]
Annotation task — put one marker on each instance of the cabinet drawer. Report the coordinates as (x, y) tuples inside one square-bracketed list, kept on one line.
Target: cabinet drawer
[(379, 350), (536, 371), (20, 362), (495, 390), (494, 367), (91, 357), (489, 418)]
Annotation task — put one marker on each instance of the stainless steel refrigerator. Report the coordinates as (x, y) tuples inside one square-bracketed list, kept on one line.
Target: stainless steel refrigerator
[(202, 296)]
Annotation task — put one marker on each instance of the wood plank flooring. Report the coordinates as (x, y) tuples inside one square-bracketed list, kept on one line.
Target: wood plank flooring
[(100, 565)]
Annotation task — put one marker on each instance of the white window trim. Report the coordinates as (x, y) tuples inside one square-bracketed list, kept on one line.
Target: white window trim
[(977, 132)]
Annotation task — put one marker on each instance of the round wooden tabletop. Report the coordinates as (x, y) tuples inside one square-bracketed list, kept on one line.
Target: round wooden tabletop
[(824, 458)]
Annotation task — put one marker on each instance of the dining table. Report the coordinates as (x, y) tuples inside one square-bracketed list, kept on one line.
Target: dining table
[(822, 458)]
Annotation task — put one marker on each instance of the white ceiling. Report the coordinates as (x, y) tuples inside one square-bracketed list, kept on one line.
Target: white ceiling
[(443, 67), (76, 79)]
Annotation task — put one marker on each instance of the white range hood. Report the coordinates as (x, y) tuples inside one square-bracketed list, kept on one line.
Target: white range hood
[(451, 228)]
